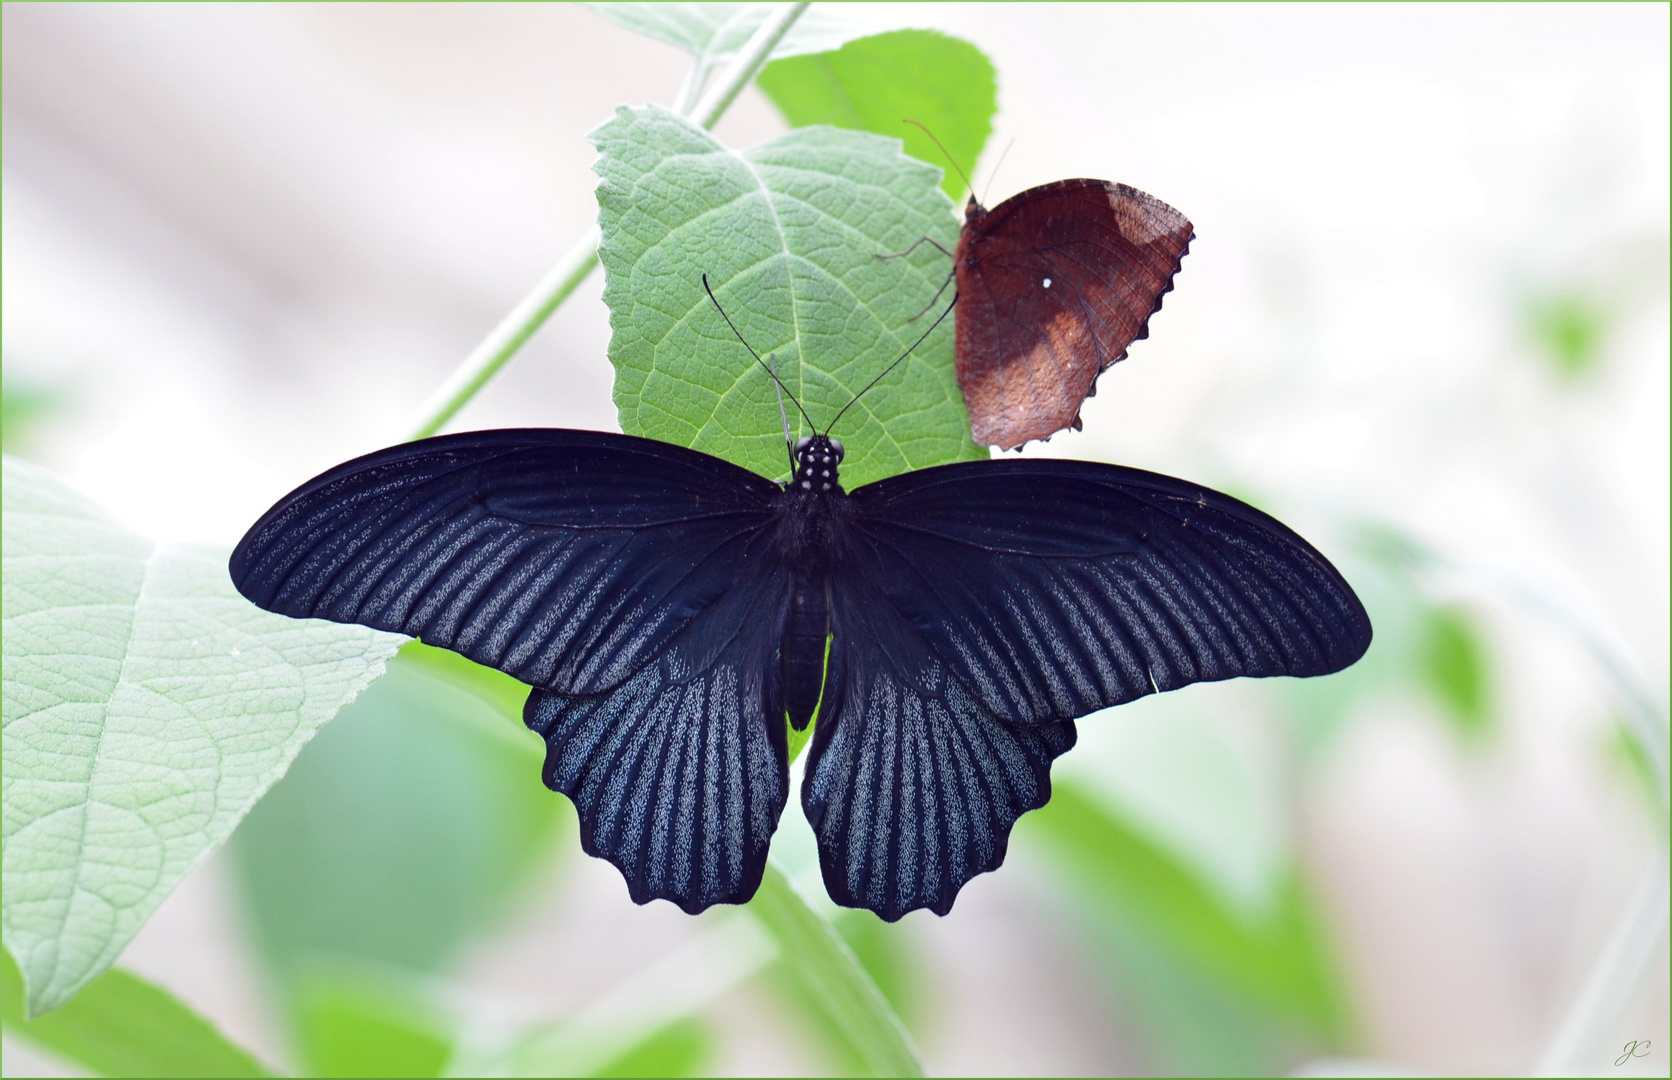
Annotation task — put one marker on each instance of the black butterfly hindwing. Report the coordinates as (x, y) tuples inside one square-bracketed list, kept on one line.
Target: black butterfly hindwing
[(913, 783), (679, 774)]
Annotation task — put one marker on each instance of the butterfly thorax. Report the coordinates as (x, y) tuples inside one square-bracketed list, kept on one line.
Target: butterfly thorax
[(963, 255), (810, 530), (816, 461)]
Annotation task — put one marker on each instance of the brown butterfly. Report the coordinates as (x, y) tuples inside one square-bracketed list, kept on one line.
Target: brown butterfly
[(1054, 284)]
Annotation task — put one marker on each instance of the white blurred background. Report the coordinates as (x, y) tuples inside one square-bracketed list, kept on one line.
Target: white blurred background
[(243, 242)]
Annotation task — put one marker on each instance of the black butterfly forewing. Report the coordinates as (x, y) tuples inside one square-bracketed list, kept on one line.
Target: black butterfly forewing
[(618, 576), (1055, 588), (984, 606), (568, 559)]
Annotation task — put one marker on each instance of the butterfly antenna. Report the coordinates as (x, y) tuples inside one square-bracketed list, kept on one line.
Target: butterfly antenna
[(895, 364), (762, 363), (782, 415), (948, 157), (995, 173)]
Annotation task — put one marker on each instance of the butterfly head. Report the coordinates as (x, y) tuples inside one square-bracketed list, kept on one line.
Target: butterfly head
[(816, 458)]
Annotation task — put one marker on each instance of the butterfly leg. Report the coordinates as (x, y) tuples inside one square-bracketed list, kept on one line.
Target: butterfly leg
[(915, 244)]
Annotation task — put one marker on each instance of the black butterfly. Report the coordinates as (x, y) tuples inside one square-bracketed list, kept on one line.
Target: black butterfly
[(670, 608)]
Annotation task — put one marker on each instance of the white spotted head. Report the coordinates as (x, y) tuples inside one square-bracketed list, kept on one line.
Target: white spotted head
[(816, 458)]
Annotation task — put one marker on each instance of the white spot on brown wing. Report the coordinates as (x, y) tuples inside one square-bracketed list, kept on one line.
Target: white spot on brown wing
[(1047, 283)]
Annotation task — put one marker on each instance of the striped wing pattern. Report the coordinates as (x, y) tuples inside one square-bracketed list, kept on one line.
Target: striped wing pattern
[(680, 773), (912, 784), (986, 606), (1053, 589), (642, 589), (566, 559)]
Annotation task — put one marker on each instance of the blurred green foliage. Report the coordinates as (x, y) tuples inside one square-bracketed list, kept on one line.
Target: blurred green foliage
[(834, 995), (680, 1048), (877, 83), (24, 409), (1437, 646), (122, 1025), (1455, 664), (1570, 330), (890, 953), (1278, 961), (402, 830), (351, 1022)]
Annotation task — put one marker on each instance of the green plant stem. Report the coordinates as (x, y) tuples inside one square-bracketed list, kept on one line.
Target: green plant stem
[(503, 342), (833, 979), (505, 339), (748, 63)]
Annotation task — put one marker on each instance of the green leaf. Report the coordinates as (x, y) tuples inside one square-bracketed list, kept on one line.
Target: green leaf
[(713, 33), (1279, 961), (353, 1023), (876, 83), (405, 827), (121, 1025), (832, 980), (788, 234), (147, 707), (1457, 669)]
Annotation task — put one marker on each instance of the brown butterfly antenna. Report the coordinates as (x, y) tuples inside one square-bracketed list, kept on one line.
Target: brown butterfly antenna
[(961, 174), (994, 175)]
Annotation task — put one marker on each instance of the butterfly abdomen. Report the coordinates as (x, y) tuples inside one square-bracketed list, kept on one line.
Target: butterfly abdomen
[(802, 652)]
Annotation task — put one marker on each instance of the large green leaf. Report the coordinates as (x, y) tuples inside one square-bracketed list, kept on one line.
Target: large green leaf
[(147, 707), (121, 1025), (404, 828), (788, 234), (877, 83), (713, 33), (833, 985)]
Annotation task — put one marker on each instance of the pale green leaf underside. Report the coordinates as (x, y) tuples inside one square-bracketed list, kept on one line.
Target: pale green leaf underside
[(714, 33), (147, 707), (788, 234)]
